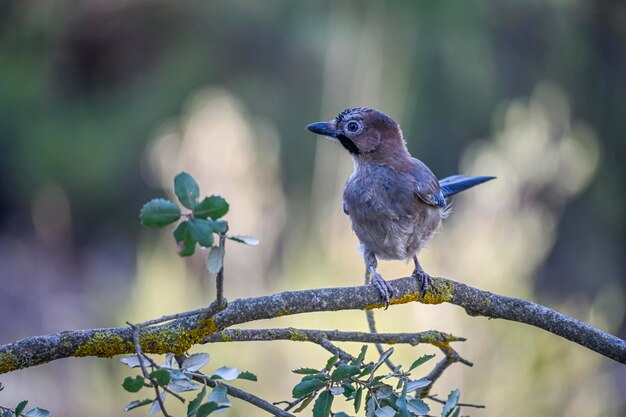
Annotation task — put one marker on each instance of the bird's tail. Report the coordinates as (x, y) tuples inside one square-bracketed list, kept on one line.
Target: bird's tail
[(457, 183)]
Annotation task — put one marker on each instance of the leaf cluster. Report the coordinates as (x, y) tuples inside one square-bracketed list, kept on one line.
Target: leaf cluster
[(180, 379), (391, 394), (196, 227)]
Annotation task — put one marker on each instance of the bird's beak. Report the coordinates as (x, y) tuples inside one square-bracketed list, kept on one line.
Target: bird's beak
[(323, 128)]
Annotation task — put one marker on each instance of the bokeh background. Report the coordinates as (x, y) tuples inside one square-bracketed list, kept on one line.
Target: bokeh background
[(103, 102)]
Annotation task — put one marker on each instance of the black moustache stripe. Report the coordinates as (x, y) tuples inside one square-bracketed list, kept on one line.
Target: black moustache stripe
[(348, 144)]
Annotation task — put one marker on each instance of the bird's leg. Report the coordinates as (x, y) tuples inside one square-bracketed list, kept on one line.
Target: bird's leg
[(424, 279), (383, 287)]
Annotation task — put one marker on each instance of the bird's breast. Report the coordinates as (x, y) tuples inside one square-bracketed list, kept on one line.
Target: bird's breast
[(386, 214)]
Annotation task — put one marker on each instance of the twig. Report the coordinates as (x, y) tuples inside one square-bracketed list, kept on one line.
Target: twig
[(371, 324), (342, 354), (236, 392), (433, 397), (219, 279), (433, 337)]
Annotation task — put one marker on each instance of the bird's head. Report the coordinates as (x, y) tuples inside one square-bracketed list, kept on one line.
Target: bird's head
[(369, 135)]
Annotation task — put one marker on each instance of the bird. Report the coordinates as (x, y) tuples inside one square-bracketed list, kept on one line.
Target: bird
[(394, 201)]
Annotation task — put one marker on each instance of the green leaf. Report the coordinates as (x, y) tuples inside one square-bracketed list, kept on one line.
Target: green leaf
[(348, 390), (306, 387), (7, 413), (194, 404), (185, 244), (133, 384), (367, 370), (382, 359), (219, 226), (456, 412), (420, 383), (420, 360), (136, 404), (20, 407), (361, 357), (206, 409), (401, 403), (344, 371), (453, 399), (226, 373), (215, 260), (341, 414), (219, 396), (161, 376), (194, 362), (357, 399), (304, 403), (186, 190), (213, 207), (158, 213), (385, 411), (37, 412), (201, 232), (248, 240), (322, 405), (305, 371), (249, 376), (417, 407), (331, 361)]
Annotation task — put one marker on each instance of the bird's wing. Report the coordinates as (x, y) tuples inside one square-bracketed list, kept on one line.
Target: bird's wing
[(426, 184)]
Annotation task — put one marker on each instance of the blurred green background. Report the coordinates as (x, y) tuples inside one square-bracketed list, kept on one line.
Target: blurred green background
[(103, 102)]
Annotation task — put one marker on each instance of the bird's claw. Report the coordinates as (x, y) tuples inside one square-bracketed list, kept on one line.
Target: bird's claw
[(384, 289), (424, 280)]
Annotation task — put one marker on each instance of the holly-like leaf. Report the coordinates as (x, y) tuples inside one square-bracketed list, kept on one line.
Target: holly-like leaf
[(185, 243), (196, 361), (420, 360), (420, 383), (131, 384), (249, 376), (219, 396), (206, 409), (159, 212), (357, 399), (136, 404), (215, 260), (382, 359), (219, 226), (226, 373), (161, 376), (38, 412), (201, 232), (331, 362), (20, 407), (305, 371), (341, 414), (194, 404), (182, 385), (417, 407), (248, 240), (132, 361), (385, 411), (306, 387), (186, 190), (156, 407), (304, 403), (213, 207), (322, 405), (456, 412), (359, 360), (344, 371), (7, 413), (451, 402)]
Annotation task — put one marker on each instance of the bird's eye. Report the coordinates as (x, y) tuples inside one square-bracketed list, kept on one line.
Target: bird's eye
[(352, 127)]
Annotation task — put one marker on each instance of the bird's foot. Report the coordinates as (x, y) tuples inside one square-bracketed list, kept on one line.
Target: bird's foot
[(424, 280), (383, 287)]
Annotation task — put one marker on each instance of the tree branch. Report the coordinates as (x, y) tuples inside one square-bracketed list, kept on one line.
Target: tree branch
[(179, 335)]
